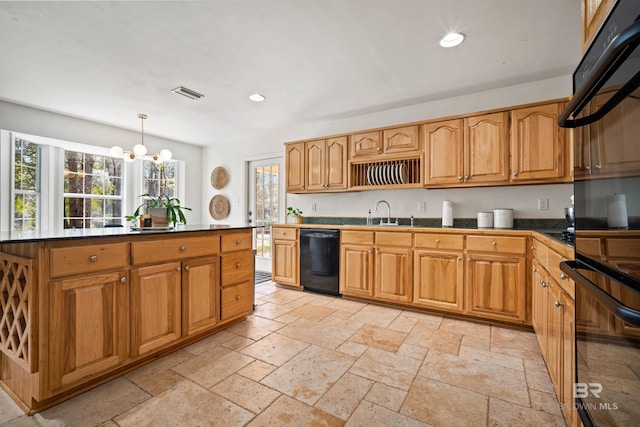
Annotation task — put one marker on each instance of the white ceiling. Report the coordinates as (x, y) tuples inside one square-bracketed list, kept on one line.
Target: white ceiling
[(314, 60)]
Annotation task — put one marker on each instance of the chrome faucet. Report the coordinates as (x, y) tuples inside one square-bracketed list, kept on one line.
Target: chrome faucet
[(388, 211)]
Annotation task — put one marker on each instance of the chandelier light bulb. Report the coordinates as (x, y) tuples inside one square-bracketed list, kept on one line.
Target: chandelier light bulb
[(116, 151), (165, 155), (140, 150)]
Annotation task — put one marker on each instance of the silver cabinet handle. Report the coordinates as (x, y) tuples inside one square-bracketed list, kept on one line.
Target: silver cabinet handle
[(597, 166), (238, 265), (183, 248), (466, 177), (123, 280), (468, 259), (186, 268), (515, 174), (493, 243), (535, 270), (437, 240), (178, 269), (238, 242), (543, 283), (459, 258), (459, 177), (563, 276), (558, 304), (237, 297), (379, 150), (93, 258)]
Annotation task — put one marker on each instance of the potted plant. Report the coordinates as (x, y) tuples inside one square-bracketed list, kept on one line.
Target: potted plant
[(163, 211), (295, 213)]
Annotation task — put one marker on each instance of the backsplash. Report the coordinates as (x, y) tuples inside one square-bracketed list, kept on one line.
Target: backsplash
[(518, 223)]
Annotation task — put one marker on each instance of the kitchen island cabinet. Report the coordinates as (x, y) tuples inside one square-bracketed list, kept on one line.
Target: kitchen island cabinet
[(81, 307)]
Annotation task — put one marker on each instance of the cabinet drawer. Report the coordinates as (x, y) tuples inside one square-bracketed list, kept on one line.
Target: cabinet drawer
[(498, 244), (236, 241), (391, 238), (357, 237), (237, 267), (281, 233), (439, 241), (622, 248), (236, 300), (88, 259), (553, 268), (161, 250), (540, 252)]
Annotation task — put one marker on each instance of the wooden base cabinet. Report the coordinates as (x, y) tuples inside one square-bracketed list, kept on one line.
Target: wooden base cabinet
[(495, 287), (285, 265), (356, 270), (393, 278), (88, 327), (438, 280), (200, 288), (156, 309)]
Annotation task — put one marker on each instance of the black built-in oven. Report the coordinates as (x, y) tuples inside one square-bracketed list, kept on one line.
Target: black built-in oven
[(605, 115)]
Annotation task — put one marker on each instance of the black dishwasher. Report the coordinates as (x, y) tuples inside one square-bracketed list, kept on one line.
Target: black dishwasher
[(320, 260)]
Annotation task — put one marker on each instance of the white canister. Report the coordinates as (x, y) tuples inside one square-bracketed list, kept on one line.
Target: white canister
[(485, 219), (503, 218), (447, 213)]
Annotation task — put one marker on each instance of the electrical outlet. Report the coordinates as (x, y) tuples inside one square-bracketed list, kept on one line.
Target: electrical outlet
[(422, 206), (314, 206), (543, 204)]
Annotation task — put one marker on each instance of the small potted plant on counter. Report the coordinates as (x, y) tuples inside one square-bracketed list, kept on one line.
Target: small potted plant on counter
[(163, 211), (295, 215)]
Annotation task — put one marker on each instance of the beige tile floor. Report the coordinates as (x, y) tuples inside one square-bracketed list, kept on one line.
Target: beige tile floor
[(307, 359)]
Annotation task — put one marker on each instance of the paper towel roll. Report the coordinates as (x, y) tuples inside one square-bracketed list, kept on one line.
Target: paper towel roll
[(447, 213), (617, 212)]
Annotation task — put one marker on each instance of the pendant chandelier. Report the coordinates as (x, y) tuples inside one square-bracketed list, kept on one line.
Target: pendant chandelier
[(139, 150)]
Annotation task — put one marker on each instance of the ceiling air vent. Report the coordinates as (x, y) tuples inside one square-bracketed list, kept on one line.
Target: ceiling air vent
[(191, 94)]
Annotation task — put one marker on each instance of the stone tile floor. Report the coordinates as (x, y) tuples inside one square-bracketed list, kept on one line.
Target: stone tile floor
[(308, 359)]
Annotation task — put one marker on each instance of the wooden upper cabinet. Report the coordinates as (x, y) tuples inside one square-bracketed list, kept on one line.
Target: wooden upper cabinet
[(444, 143), (539, 147), (366, 144), (295, 167), (400, 140), (486, 148), (613, 139), (326, 164), (467, 151), (594, 13)]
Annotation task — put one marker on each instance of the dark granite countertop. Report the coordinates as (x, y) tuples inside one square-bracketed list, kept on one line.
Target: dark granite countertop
[(82, 233)]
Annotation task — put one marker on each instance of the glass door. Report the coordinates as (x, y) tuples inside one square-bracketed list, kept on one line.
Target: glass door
[(266, 205)]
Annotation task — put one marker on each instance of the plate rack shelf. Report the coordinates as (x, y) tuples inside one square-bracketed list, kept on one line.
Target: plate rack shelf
[(402, 173)]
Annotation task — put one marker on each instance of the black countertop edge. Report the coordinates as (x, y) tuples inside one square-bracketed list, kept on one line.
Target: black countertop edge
[(83, 233)]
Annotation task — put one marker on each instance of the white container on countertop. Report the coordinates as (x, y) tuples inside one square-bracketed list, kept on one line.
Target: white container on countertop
[(503, 218), (447, 213), (485, 219)]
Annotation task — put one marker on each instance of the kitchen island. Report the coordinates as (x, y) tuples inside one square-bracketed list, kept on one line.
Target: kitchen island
[(80, 307)]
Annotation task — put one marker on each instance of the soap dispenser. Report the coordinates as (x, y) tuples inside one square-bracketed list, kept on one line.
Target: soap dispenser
[(369, 218)]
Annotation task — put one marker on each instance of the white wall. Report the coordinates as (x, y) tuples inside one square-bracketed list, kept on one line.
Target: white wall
[(233, 155), (18, 118)]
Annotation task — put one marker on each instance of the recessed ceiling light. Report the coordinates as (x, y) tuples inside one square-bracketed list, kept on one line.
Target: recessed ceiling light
[(452, 39), (256, 97)]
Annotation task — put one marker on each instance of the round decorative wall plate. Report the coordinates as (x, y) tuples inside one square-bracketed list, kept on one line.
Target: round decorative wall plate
[(219, 207), (219, 178)]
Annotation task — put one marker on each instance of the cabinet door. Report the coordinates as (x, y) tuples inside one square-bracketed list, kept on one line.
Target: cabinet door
[(445, 150), (294, 159), (539, 147), (539, 304), (486, 149), (594, 13), (401, 140), (495, 287), (200, 289), (155, 307), (568, 354), (285, 264), (366, 144), (316, 159), (356, 270), (614, 138), (236, 300), (554, 334), (336, 163), (393, 274), (88, 327), (438, 280)]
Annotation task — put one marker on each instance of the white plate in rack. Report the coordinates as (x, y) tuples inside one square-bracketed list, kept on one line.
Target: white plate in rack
[(374, 174), (385, 169), (369, 174), (402, 177)]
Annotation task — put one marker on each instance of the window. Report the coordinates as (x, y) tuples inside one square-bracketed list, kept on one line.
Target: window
[(26, 194), (159, 179), (92, 190)]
